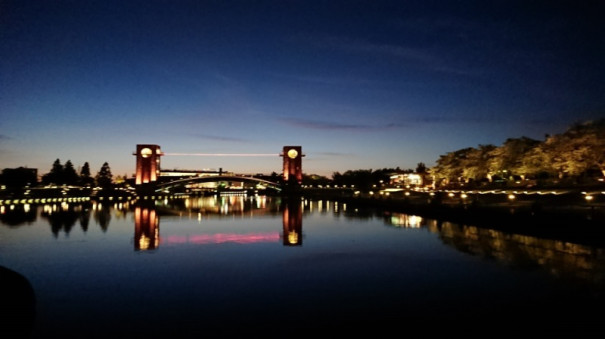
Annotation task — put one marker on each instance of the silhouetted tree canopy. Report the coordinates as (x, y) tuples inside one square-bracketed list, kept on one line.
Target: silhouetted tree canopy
[(315, 179), (104, 177), (85, 178), (55, 176), (364, 179), (70, 177)]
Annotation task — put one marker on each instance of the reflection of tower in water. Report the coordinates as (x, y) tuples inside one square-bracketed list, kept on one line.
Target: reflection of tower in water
[(146, 229), (292, 221)]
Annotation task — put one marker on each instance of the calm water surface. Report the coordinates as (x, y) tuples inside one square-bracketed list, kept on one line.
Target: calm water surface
[(271, 267)]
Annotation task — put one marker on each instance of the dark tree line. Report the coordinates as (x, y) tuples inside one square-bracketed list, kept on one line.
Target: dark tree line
[(363, 178), (66, 175), (578, 152), (18, 178)]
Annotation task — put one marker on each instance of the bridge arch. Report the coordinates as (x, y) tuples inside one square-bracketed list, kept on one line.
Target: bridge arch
[(217, 178)]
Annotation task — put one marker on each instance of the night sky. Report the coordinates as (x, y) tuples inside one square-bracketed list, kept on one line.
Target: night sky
[(358, 84)]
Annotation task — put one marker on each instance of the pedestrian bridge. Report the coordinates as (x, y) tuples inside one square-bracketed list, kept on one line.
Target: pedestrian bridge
[(183, 183), (148, 175)]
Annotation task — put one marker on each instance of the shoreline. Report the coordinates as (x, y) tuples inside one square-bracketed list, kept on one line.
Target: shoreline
[(545, 216), (567, 217)]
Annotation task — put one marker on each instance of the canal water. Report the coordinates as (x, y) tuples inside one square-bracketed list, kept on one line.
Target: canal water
[(256, 266)]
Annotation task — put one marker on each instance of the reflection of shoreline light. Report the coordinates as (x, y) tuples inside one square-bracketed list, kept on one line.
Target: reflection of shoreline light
[(220, 238), (406, 220)]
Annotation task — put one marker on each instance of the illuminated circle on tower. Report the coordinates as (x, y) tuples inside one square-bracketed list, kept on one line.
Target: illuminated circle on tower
[(146, 152), (292, 153)]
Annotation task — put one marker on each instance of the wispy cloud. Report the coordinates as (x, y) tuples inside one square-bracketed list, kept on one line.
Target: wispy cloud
[(442, 119), (335, 154), (325, 80), (220, 138), (428, 58), (334, 126), (408, 122), (405, 52), (475, 120), (4, 137)]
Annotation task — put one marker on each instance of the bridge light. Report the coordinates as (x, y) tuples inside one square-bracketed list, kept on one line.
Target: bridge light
[(292, 153), (146, 152)]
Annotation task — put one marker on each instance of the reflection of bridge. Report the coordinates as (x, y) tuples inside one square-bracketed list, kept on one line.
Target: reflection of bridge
[(147, 229), (149, 179)]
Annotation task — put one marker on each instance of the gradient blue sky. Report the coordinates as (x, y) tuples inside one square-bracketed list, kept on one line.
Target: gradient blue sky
[(358, 84)]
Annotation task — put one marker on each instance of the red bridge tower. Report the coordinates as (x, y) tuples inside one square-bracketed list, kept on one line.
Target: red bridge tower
[(148, 165), (292, 164)]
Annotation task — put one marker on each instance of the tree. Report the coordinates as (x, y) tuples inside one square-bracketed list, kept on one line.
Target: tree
[(274, 177), (85, 179), (70, 177), (104, 177), (420, 168), (362, 179), (580, 150), (475, 164), (508, 158), (582, 147), (55, 176), (537, 162), (315, 179), (449, 167)]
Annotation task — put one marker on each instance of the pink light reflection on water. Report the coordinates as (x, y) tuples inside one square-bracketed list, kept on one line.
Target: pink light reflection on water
[(220, 238)]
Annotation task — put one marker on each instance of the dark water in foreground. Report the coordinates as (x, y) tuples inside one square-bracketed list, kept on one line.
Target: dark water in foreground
[(267, 267)]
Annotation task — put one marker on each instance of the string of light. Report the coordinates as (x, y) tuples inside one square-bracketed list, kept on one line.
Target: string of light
[(224, 154)]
